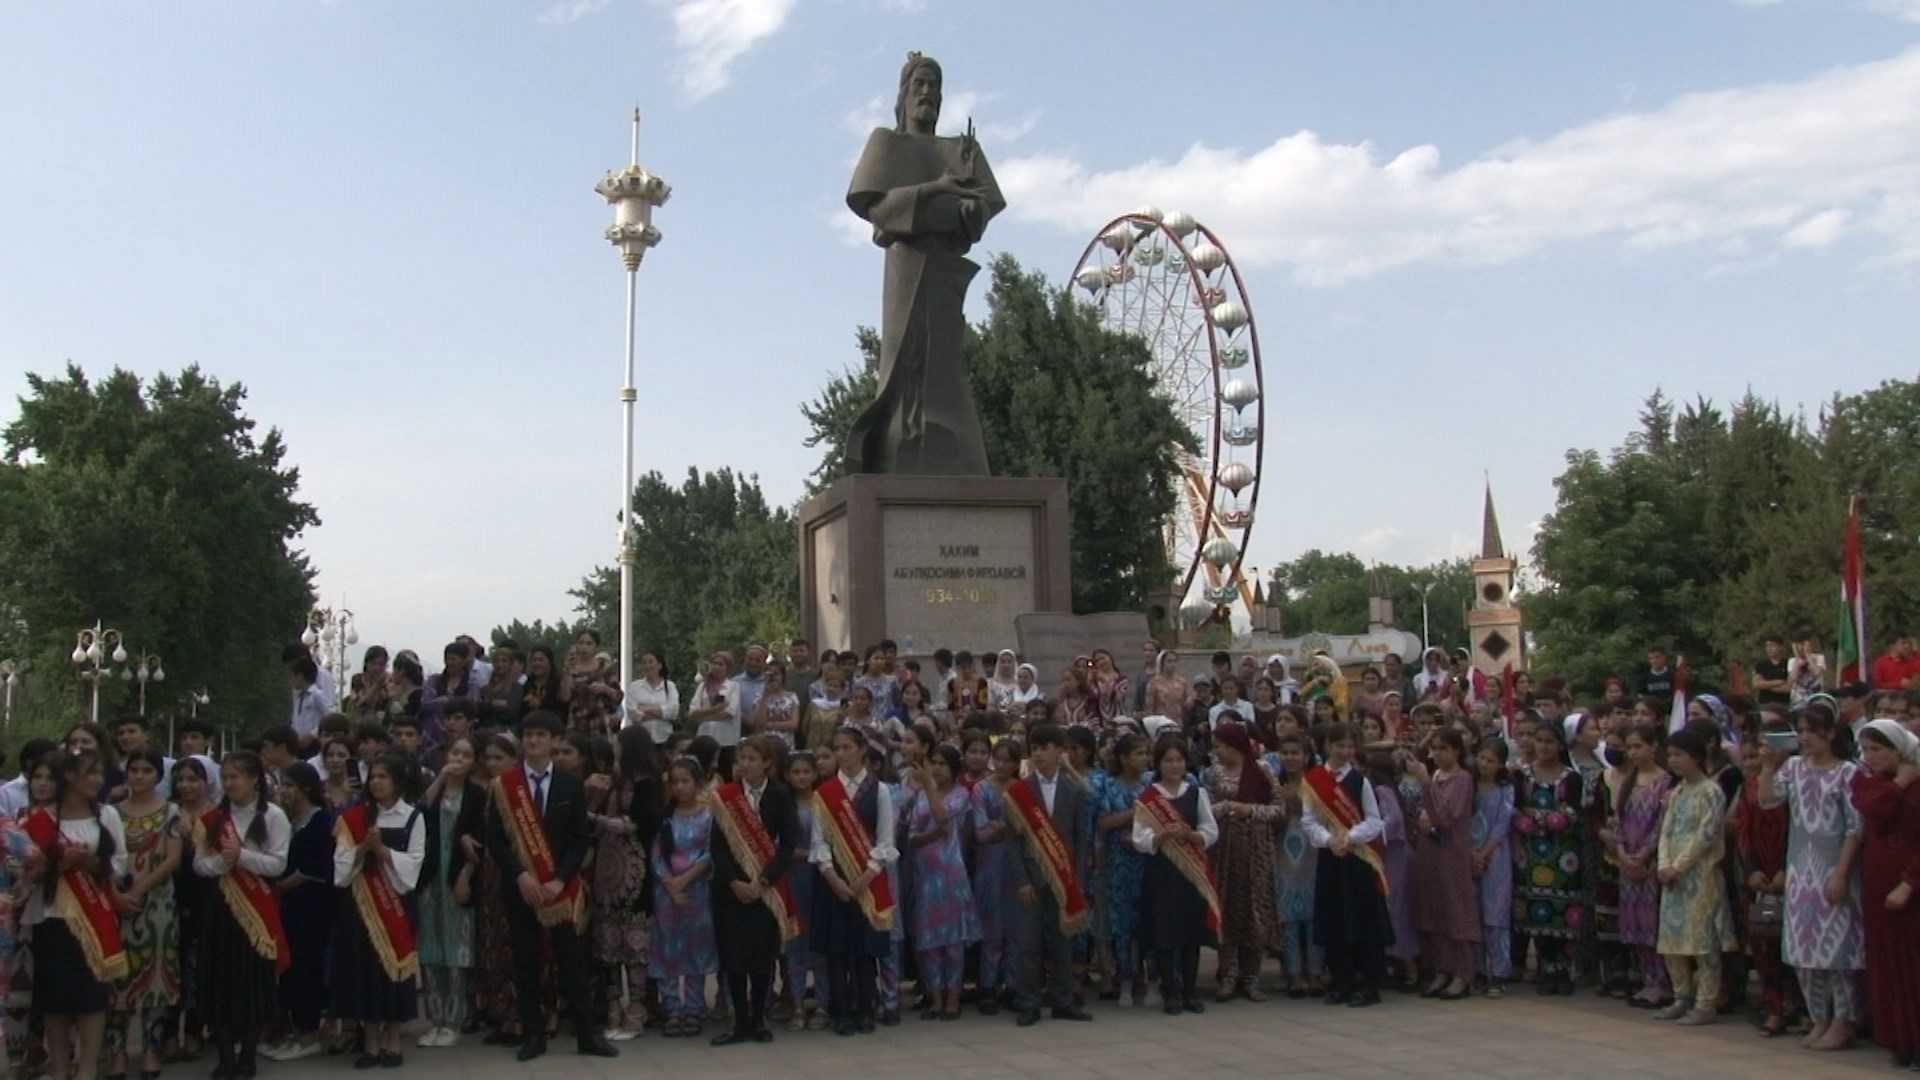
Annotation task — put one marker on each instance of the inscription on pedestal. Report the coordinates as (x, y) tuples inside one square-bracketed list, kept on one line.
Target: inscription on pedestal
[(956, 576)]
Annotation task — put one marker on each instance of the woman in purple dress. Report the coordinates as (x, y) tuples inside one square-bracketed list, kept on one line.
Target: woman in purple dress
[(1639, 801), (944, 919), (1383, 771), (993, 890), (681, 953), (1449, 912)]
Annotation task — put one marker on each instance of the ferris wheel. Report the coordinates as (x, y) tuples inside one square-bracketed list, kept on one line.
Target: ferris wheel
[(1169, 280)]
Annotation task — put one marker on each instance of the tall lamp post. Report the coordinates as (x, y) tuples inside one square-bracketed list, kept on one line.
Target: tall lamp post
[(328, 634), (1426, 639), (634, 193), (147, 669), (94, 649), (10, 672)]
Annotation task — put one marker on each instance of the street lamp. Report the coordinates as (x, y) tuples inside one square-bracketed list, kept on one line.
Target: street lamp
[(1426, 639), (94, 649), (147, 669), (10, 672), (634, 193), (327, 636)]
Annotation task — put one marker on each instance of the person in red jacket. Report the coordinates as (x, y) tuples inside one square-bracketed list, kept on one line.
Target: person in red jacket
[(1899, 668)]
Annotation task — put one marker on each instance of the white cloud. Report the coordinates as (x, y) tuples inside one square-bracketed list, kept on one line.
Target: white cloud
[(563, 12), (1758, 162), (904, 7), (956, 108), (1904, 10), (1759, 3), (1818, 231), (712, 34)]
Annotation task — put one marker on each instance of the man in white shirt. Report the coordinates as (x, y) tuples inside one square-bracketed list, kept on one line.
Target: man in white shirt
[(323, 680), (309, 704), (13, 793), (1341, 817)]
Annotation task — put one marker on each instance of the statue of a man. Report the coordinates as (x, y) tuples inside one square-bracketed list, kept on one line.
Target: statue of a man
[(929, 199)]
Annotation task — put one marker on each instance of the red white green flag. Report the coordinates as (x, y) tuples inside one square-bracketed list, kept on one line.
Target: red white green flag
[(1850, 637)]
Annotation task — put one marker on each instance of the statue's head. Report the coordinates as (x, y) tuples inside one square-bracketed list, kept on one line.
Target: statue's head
[(917, 109)]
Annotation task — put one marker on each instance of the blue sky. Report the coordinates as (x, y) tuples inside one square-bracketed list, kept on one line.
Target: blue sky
[(1475, 235)]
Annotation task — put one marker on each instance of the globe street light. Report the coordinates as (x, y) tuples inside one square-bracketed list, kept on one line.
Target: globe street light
[(95, 648), (328, 635), (147, 669), (634, 193), (10, 672)]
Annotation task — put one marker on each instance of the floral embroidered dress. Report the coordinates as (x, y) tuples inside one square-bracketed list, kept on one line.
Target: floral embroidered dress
[(1549, 901), (1243, 860), (1819, 935), (1637, 833), (943, 909), (682, 943), (1694, 917), (15, 849), (152, 946), (1493, 824), (1125, 868), (620, 931)]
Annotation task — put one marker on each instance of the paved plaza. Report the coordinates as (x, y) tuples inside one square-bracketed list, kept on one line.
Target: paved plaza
[(1518, 1037)]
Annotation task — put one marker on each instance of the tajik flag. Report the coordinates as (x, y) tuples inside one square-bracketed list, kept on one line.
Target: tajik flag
[(1851, 636)]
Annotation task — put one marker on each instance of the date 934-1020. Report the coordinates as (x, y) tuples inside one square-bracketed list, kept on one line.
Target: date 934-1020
[(961, 596)]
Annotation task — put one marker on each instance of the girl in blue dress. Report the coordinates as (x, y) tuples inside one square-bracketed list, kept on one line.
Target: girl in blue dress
[(681, 953), (993, 891), (802, 879), (945, 921), (1125, 868)]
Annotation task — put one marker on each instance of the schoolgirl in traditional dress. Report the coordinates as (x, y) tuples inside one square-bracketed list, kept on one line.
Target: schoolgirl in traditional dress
[(1550, 901), (681, 953), (624, 821), (1124, 867), (195, 794), (20, 861), (1823, 937), (151, 991), (378, 848), (1173, 823), (308, 907), (853, 845), (945, 918), (1341, 815), (1241, 793), (1493, 863), (71, 911), (1695, 925), (1761, 833), (1889, 804), (993, 886), (1638, 797), (1385, 773), (754, 914), (241, 845), (454, 807), (1296, 863), (1448, 917), (806, 975)]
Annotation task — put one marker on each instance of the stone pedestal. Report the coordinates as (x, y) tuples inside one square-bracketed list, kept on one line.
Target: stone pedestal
[(931, 561)]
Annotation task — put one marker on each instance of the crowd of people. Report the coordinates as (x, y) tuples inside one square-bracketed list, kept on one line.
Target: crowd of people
[(517, 844)]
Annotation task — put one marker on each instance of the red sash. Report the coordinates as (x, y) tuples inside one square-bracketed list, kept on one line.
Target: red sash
[(1187, 856), (853, 850), (1031, 820), (81, 903), (1333, 805), (252, 901), (381, 911), (518, 812), (753, 849)]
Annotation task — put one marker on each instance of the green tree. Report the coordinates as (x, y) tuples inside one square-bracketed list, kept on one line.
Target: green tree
[(1328, 593), (1059, 395), (154, 508), (714, 567)]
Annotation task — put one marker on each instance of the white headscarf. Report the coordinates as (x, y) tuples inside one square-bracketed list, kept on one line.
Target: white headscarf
[(1008, 684), (1286, 687), (1158, 725), (1031, 693), (1896, 733)]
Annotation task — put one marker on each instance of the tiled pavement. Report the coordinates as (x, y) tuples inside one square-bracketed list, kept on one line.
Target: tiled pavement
[(1520, 1036)]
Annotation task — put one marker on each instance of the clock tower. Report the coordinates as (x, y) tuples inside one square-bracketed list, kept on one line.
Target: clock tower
[(1493, 623)]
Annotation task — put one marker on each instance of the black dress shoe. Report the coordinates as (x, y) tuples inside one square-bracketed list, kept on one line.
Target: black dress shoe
[(366, 1061), (594, 1044), (890, 1018), (391, 1061), (1171, 1008), (844, 1027), (501, 1038), (531, 1047), (1028, 1017), (1071, 1012), (1336, 997), (1364, 999), (1193, 1005), (865, 1025), (762, 1034), (728, 1038)]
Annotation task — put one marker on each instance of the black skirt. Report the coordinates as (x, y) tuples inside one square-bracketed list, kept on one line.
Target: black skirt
[(358, 983), (747, 935), (236, 983), (839, 928), (1347, 906), (1173, 914), (63, 984)]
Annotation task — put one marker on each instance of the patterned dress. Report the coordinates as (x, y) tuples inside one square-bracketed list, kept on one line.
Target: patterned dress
[(1638, 833), (446, 928), (682, 944), (994, 891), (1126, 868), (1243, 863), (1819, 935), (1694, 917), (620, 931), (1400, 899), (943, 909), (1550, 899), (153, 949), (15, 848)]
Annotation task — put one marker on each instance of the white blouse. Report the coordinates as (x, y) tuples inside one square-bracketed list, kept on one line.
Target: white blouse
[(884, 852), (665, 697), (267, 860), (402, 869), (1365, 831), (1208, 828), (81, 833)]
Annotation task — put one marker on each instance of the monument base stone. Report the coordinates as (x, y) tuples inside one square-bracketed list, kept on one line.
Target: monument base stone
[(931, 561)]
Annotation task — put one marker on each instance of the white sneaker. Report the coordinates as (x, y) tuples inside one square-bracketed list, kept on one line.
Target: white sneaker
[(431, 1038), (449, 1037), (296, 1050), (272, 1053)]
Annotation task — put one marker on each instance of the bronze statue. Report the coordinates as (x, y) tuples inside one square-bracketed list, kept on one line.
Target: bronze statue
[(929, 199)]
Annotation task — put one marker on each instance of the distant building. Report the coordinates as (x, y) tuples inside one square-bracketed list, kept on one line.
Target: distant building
[(1493, 623)]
